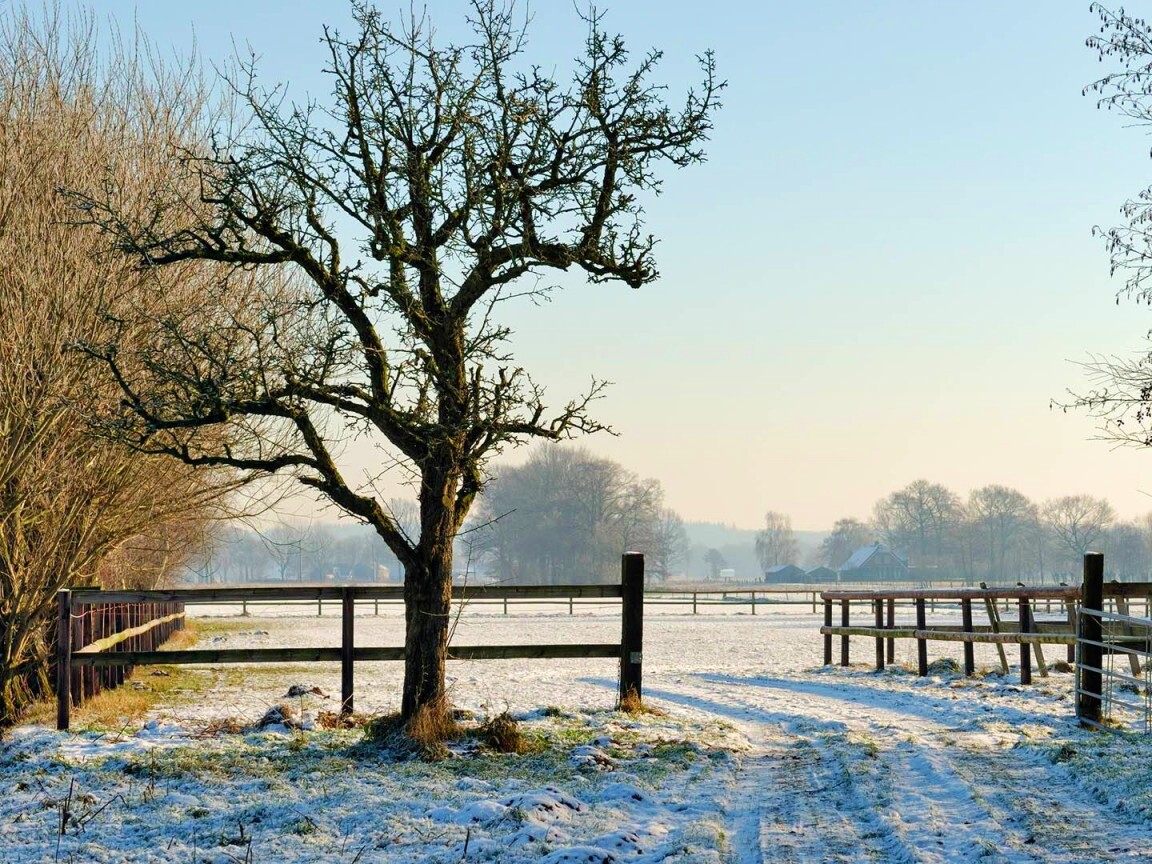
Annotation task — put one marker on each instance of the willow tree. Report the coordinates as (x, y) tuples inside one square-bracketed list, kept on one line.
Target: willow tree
[(434, 182)]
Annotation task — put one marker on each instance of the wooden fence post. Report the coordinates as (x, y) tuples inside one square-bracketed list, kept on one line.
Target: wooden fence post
[(753, 602), (827, 636), (1089, 645), (921, 644), (844, 613), (1025, 648), (63, 659), (891, 624), (347, 638), (631, 627), (966, 624), (879, 607)]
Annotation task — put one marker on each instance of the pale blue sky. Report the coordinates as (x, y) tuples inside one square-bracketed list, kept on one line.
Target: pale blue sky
[(880, 274)]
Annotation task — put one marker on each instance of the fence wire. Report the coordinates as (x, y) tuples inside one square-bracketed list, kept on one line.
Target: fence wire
[(1125, 673)]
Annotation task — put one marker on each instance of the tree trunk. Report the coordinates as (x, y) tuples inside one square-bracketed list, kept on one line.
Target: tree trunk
[(428, 599), (427, 606)]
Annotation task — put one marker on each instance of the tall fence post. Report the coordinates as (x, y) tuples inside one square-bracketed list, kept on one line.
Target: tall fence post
[(921, 644), (878, 605), (1025, 648), (891, 618), (844, 622), (63, 659), (827, 636), (966, 624), (631, 627), (1089, 643), (347, 639)]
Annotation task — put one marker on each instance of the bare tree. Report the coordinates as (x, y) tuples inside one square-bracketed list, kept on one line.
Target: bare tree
[(1077, 522), (1000, 516), (566, 515), (775, 542), (847, 536), (1126, 552), (458, 172), (668, 552), (919, 520)]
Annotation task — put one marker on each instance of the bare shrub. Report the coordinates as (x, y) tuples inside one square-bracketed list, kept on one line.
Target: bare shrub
[(76, 508)]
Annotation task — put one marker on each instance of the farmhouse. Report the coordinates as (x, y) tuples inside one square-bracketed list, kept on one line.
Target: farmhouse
[(874, 563)]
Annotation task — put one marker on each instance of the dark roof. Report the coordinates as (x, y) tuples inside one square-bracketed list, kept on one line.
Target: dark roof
[(782, 568), (821, 569)]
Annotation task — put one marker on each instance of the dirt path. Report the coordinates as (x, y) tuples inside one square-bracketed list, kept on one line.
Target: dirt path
[(842, 773)]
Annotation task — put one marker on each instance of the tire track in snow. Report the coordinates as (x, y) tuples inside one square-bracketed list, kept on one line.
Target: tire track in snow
[(898, 777)]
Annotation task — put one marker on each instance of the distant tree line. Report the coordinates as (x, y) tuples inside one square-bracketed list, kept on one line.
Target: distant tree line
[(997, 533)]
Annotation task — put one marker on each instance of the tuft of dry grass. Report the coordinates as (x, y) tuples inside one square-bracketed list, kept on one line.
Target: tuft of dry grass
[(422, 736), (336, 720), (502, 733), (631, 703)]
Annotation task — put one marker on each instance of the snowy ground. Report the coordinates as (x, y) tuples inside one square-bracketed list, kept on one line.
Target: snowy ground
[(761, 757)]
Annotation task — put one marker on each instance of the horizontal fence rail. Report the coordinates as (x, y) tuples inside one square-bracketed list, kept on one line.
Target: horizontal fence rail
[(119, 651)]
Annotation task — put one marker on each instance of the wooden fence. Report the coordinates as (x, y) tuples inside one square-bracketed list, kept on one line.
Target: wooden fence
[(1026, 630), (74, 603), (113, 628)]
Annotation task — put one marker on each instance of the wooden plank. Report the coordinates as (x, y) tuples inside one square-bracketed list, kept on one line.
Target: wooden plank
[(289, 593), (533, 652), (994, 623), (895, 633), (1013, 638), (1127, 630), (957, 594), (1127, 589), (116, 638), (199, 655), (333, 655)]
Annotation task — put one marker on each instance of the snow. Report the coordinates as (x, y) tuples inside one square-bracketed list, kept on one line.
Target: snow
[(761, 755)]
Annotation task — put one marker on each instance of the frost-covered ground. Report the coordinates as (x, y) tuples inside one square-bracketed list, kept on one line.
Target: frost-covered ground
[(761, 757)]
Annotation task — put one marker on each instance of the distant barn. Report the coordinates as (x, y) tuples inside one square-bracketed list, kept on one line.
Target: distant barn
[(874, 563), (820, 575), (784, 573)]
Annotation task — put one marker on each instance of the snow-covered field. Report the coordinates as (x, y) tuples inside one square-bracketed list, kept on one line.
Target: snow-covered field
[(761, 756)]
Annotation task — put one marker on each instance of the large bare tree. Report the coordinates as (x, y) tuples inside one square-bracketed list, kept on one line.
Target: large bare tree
[(435, 182)]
